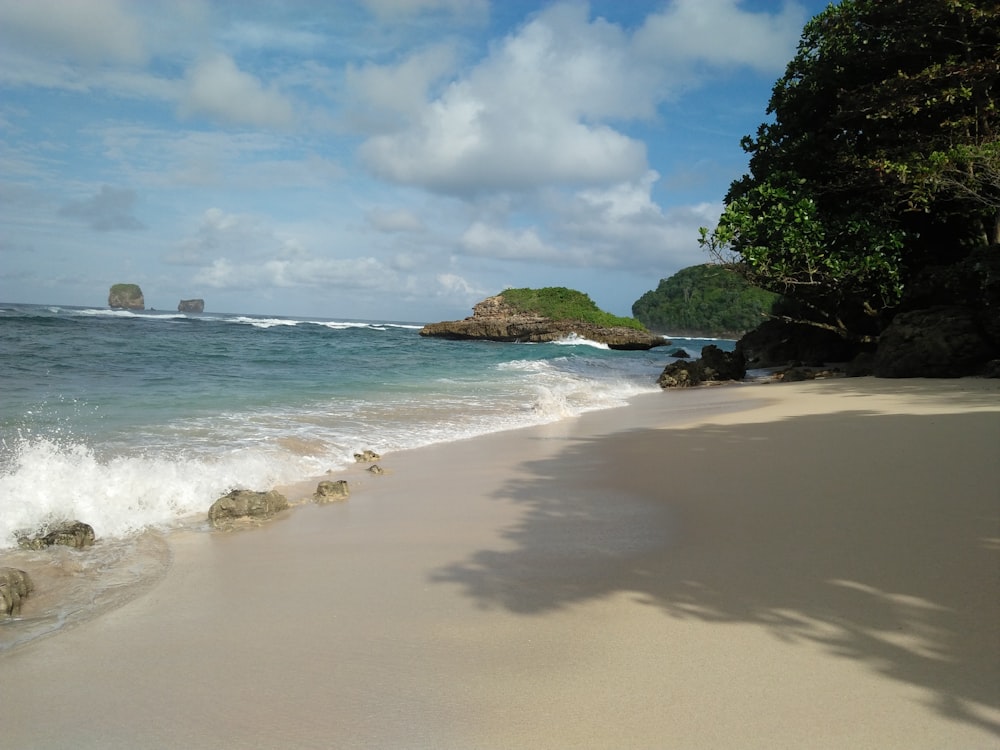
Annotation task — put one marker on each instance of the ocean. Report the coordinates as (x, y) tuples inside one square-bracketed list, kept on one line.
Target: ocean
[(136, 420)]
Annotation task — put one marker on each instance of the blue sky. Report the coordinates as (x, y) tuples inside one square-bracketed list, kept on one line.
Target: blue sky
[(379, 159)]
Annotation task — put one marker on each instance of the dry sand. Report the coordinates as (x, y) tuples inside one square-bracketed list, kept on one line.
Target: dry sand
[(807, 565)]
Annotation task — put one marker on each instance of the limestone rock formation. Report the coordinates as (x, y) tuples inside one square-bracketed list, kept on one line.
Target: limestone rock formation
[(494, 320), (15, 585), (366, 455), (126, 297), (330, 491), (191, 306), (69, 534), (245, 504)]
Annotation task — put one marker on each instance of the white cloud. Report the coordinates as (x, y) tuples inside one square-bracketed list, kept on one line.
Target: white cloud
[(217, 88), (721, 33), (457, 290), (394, 220), (528, 115), (484, 240), (615, 228), (384, 95), (244, 252), (309, 272), (625, 200), (94, 31), (548, 104)]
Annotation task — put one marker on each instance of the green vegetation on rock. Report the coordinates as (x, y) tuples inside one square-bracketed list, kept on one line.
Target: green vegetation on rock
[(560, 303), (126, 295), (707, 300)]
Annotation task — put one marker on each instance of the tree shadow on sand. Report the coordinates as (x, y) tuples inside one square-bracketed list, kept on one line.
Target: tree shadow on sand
[(828, 545)]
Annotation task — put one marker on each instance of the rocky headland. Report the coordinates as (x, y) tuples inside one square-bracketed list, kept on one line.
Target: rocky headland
[(126, 297), (494, 319)]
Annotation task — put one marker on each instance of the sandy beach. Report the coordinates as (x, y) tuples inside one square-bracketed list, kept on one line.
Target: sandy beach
[(807, 565)]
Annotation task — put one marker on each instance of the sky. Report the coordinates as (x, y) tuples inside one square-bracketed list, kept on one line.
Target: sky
[(372, 159)]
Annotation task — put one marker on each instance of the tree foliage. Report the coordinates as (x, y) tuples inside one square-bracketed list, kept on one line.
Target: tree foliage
[(882, 158), (709, 299), (560, 303)]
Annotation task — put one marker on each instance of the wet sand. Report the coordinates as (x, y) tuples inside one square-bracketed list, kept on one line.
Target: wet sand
[(770, 566)]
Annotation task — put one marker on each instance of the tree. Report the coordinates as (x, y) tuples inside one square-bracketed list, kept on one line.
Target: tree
[(882, 158)]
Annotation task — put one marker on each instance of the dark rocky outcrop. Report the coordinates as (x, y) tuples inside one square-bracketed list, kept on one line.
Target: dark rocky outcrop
[(126, 297), (494, 320), (939, 342), (15, 585), (946, 325), (331, 491), (69, 534), (239, 504), (777, 343), (715, 366), (191, 306)]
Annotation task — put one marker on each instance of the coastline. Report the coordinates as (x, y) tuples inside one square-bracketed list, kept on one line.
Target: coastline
[(794, 565)]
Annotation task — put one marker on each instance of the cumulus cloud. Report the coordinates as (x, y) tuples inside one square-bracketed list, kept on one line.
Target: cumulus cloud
[(721, 33), (222, 234), (528, 115), (547, 104), (619, 227), (384, 96), (109, 210), (91, 32), (218, 89)]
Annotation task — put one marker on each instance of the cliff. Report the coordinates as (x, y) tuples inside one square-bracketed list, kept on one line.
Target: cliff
[(494, 319), (126, 296)]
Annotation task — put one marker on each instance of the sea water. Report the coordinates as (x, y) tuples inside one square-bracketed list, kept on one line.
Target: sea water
[(135, 422), (132, 420)]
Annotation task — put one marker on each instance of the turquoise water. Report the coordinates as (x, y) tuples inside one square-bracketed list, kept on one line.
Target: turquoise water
[(133, 420)]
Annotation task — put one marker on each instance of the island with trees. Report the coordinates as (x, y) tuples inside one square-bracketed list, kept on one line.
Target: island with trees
[(541, 315)]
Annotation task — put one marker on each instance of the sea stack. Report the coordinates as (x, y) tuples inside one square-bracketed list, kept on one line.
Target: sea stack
[(126, 296), (191, 306)]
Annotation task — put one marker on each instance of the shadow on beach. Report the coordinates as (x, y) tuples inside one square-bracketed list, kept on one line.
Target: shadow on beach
[(873, 537)]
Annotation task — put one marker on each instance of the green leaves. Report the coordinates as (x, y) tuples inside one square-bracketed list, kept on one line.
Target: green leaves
[(560, 303), (882, 150)]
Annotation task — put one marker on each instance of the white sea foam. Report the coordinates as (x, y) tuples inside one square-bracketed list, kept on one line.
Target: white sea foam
[(575, 340), (262, 322), (52, 481)]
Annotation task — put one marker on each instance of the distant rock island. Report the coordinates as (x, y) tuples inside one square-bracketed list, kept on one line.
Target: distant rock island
[(126, 297), (191, 305), (540, 315)]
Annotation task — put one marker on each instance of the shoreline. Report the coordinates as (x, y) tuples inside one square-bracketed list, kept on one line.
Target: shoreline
[(781, 565)]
